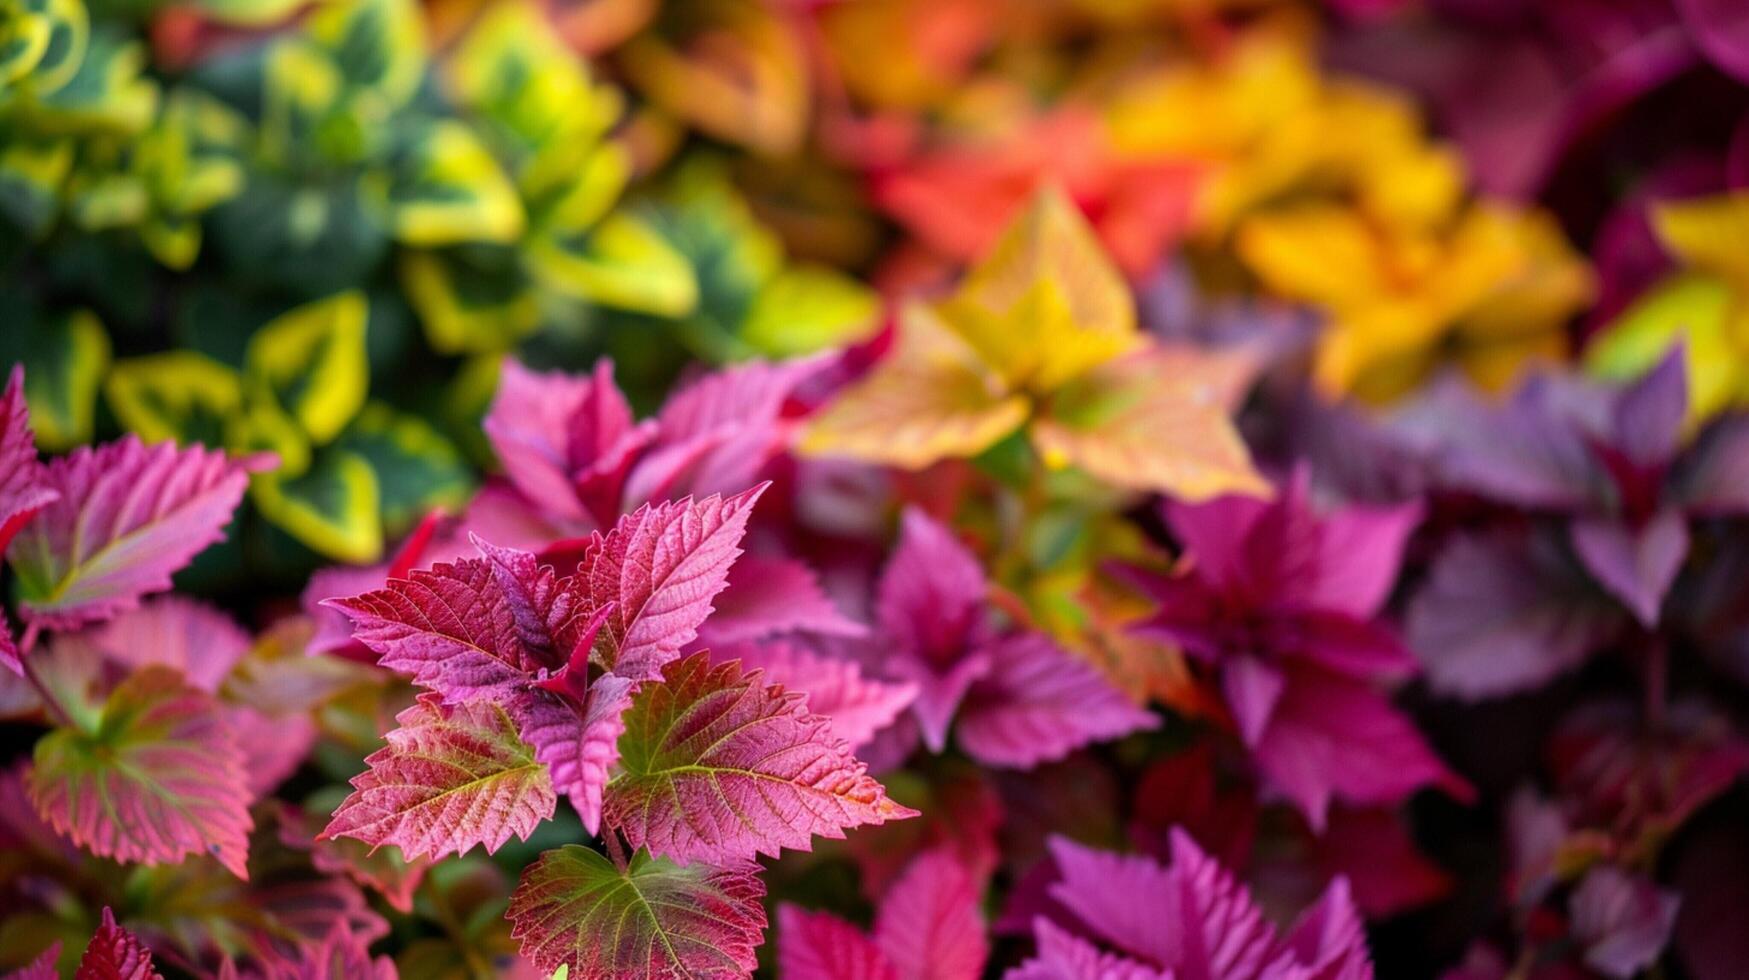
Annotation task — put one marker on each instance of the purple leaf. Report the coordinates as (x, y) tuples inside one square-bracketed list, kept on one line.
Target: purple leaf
[(129, 516), (1622, 921), (1647, 415), (1039, 703), (1505, 613), (1635, 564), (1712, 477)]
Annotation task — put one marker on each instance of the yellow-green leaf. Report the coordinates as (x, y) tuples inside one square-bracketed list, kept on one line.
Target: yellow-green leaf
[(313, 361), (181, 395), (469, 303), (804, 309), (333, 507), (416, 468), (65, 356)]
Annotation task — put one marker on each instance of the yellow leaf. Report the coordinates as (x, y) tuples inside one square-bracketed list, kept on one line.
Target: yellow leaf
[(165, 396), (1318, 253), (930, 399), (1701, 311), (1156, 421), (1710, 233), (1046, 304)]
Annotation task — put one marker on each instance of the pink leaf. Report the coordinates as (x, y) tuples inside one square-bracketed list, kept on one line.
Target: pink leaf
[(736, 414), (548, 428), (1127, 901), (578, 743), (821, 946), (449, 778), (341, 955), (192, 637), (662, 565), (1039, 703), (159, 777), (129, 516), (930, 924), (772, 596), (453, 628), (718, 766), (652, 918), (857, 706), (41, 968), (116, 954), (273, 746)]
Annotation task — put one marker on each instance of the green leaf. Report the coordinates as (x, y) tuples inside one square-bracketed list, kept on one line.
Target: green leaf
[(805, 309), (108, 94), (313, 361), (377, 45), (181, 395), (332, 508), (65, 356), (313, 237), (32, 172), (417, 469), (158, 778), (574, 909), (42, 44)]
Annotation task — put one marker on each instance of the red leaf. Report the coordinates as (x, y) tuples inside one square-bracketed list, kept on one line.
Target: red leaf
[(717, 766), (116, 954)]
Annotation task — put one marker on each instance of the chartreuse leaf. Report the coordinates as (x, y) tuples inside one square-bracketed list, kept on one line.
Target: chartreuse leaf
[(573, 909), (157, 778), (334, 506), (128, 517), (1706, 314), (442, 187), (417, 469), (450, 778), (804, 309), (65, 356), (313, 361), (377, 45), (107, 94), (717, 766), (621, 262), (472, 300), (181, 396)]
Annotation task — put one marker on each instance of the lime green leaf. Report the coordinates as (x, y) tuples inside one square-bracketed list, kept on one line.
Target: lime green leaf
[(442, 187), (1702, 311), (65, 356), (42, 44), (181, 395), (472, 302), (417, 469), (312, 359), (332, 508), (809, 308), (377, 45), (158, 778)]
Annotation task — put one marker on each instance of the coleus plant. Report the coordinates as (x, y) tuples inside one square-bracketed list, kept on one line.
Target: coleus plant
[(544, 684)]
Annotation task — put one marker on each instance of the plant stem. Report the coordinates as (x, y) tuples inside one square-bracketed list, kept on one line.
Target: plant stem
[(55, 710)]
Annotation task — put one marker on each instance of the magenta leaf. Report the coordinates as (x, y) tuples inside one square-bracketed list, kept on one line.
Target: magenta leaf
[(821, 946), (115, 954), (1622, 921), (450, 778), (41, 968), (735, 415), (1038, 704), (662, 565), (158, 777), (549, 429), (129, 516), (653, 918), (932, 593), (341, 955), (717, 766), (24, 489), (1065, 956), (930, 924), (835, 687), (773, 596)]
